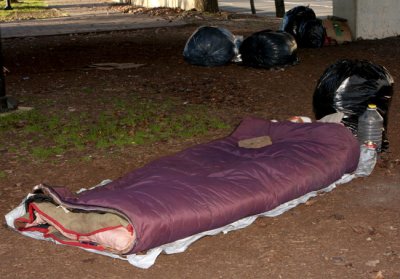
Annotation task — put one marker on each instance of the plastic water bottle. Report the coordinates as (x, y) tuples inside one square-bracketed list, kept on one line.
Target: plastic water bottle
[(370, 127), (368, 158)]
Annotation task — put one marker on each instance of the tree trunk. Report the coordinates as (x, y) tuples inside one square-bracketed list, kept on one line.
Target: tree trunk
[(210, 6), (3, 99), (253, 8), (280, 8)]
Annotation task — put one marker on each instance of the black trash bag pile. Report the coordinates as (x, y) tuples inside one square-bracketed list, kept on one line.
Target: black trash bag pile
[(348, 86), (295, 17), (210, 46), (311, 34), (269, 49), (307, 29)]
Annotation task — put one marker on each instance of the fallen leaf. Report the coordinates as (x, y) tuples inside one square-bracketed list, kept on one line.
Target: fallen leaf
[(372, 263), (338, 216), (310, 202), (379, 275), (338, 260)]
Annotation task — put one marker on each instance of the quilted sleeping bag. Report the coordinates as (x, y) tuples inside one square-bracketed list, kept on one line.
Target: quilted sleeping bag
[(208, 185)]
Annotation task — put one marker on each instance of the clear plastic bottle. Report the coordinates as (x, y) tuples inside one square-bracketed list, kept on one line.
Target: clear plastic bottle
[(368, 158), (370, 127)]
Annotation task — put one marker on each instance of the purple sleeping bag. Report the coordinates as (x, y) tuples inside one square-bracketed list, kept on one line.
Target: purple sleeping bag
[(214, 184)]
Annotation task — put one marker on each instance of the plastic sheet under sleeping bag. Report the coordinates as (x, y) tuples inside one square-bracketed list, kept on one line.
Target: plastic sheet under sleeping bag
[(348, 86), (199, 189)]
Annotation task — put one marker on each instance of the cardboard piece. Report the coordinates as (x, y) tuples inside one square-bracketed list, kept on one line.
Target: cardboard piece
[(337, 31), (257, 142)]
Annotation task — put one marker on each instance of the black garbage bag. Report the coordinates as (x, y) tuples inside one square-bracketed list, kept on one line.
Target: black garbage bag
[(302, 23), (348, 86), (210, 46), (269, 49), (311, 33), (293, 18), (8, 103)]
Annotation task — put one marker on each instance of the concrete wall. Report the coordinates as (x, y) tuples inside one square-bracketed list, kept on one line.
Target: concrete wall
[(370, 19), (183, 4)]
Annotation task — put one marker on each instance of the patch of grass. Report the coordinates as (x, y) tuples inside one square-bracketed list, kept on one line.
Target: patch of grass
[(3, 174), (87, 90), (126, 122), (87, 158), (40, 152), (27, 9)]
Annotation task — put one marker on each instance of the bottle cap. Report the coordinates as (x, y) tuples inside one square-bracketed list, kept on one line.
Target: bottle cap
[(370, 144), (372, 106)]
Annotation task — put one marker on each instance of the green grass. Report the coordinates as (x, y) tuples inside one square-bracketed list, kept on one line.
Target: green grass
[(26, 9), (127, 122)]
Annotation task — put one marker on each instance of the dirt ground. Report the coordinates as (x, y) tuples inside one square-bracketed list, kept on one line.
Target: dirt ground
[(352, 232)]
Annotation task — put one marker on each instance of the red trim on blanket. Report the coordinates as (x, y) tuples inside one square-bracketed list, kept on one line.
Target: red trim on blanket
[(27, 220), (67, 230), (71, 243), (78, 244), (31, 214), (130, 228), (32, 208)]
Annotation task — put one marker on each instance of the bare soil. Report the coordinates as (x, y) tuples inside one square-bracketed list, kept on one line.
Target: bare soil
[(352, 232)]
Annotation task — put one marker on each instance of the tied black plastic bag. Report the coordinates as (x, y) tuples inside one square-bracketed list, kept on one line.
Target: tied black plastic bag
[(269, 49), (311, 34), (348, 86), (302, 23), (210, 46), (294, 17)]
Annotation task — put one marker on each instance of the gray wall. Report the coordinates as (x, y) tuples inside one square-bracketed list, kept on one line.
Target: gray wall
[(370, 19)]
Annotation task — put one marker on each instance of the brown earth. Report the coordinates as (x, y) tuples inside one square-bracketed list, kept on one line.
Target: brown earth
[(352, 232)]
